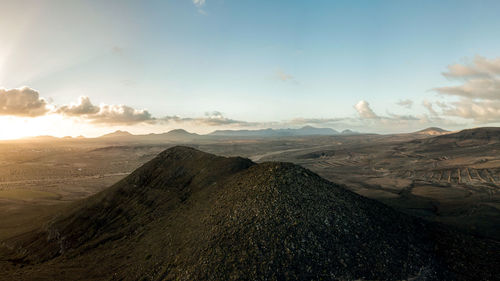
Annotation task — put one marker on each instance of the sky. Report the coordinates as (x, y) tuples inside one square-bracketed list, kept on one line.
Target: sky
[(91, 67)]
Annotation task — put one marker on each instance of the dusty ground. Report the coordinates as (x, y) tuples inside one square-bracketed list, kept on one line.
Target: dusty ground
[(454, 184)]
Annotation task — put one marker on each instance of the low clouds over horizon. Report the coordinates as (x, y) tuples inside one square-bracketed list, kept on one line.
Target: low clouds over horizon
[(478, 92), (105, 114), (26, 102), (474, 99)]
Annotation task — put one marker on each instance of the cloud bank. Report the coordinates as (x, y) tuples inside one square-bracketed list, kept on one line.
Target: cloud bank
[(22, 102), (105, 114), (476, 96), (478, 90), (214, 118)]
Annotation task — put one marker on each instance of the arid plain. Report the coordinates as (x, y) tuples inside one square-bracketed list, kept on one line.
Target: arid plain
[(452, 178)]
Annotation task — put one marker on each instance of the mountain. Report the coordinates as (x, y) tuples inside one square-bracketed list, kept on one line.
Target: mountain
[(477, 138), (173, 135), (349, 132), (483, 133), (189, 215), (117, 134), (304, 131), (178, 134), (432, 131)]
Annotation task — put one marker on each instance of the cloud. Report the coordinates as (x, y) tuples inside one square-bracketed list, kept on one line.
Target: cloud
[(405, 103), (23, 102), (316, 121), (120, 114), (369, 121), (480, 88), (83, 107), (285, 77), (480, 111), (117, 50), (428, 105), (199, 3), (214, 118), (364, 110), (394, 117), (105, 114), (478, 92), (477, 68), (480, 79)]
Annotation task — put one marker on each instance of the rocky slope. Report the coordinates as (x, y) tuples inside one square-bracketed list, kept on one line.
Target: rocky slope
[(189, 215)]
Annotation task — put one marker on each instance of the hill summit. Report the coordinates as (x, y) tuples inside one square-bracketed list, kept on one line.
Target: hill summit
[(189, 215), (117, 134), (432, 131)]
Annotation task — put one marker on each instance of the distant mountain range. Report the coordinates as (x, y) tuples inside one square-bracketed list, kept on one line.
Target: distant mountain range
[(304, 131), (180, 134), (183, 135)]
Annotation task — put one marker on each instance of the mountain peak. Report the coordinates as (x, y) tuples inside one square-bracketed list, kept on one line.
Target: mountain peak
[(433, 131), (179, 132), (117, 133)]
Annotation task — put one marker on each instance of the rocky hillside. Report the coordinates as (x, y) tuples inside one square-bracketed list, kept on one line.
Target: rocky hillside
[(189, 215)]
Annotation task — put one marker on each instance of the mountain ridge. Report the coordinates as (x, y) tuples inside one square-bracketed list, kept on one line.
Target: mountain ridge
[(303, 131)]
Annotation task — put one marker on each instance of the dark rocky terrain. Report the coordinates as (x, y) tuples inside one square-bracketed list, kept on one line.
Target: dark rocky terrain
[(453, 178), (189, 215)]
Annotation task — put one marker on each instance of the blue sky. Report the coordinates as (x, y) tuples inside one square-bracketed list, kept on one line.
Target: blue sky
[(261, 63)]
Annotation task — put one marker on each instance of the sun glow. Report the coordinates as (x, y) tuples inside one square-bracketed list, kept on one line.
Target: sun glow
[(17, 127), (12, 127)]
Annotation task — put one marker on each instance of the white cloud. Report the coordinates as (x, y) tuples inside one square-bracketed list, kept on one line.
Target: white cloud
[(364, 110), (405, 103), (199, 3), (428, 105)]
